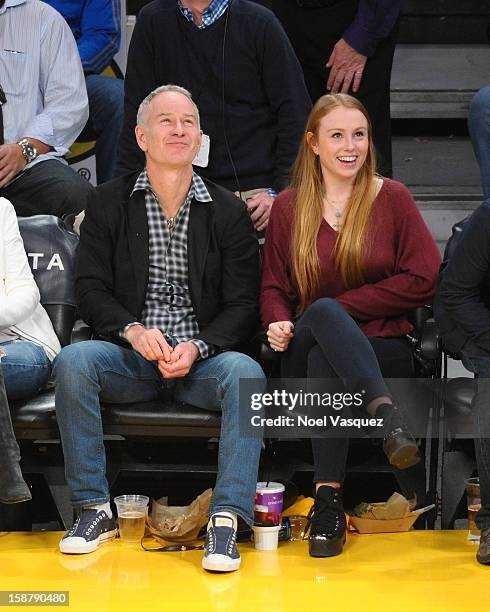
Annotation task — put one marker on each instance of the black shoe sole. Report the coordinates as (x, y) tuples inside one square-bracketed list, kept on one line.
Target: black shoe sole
[(325, 548)]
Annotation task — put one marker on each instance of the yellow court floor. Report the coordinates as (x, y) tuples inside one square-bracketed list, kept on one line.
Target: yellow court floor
[(418, 570)]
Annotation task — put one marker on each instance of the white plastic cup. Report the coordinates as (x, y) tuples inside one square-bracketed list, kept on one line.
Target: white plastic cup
[(266, 538), (474, 505), (131, 512)]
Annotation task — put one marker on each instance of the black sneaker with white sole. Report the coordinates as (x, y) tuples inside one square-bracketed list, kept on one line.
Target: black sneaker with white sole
[(220, 551), (90, 529)]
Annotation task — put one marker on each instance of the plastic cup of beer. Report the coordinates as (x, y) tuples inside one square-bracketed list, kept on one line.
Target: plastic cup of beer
[(131, 516), (474, 504), (298, 524)]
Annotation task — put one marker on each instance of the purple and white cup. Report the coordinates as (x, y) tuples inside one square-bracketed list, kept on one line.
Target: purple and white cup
[(268, 504)]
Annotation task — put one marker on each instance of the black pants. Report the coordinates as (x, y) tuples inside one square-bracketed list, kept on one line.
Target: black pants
[(328, 343), (48, 188), (313, 34), (477, 360)]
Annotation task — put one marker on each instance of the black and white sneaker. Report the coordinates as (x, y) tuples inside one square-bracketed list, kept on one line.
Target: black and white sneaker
[(90, 529), (220, 551)]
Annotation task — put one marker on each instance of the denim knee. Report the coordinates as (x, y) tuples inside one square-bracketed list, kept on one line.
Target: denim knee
[(480, 104), (26, 369), (242, 366), (73, 361)]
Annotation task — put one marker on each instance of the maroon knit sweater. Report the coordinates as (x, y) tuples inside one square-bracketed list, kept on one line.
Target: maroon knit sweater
[(401, 265)]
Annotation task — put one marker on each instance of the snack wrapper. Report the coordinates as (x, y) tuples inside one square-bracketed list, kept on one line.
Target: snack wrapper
[(178, 523)]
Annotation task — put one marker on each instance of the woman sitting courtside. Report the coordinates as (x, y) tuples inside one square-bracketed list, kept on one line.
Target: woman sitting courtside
[(28, 344), (347, 255)]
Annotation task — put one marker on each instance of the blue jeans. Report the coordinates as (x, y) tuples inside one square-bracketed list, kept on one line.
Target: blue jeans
[(106, 106), (89, 372), (479, 126), (477, 360), (26, 369)]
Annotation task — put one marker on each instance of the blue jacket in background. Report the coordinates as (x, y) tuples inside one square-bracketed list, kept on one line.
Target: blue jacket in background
[(96, 26)]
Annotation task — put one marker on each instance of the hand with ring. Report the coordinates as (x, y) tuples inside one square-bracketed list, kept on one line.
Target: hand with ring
[(346, 68)]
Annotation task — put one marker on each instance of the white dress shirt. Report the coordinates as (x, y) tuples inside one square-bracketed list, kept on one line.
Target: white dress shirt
[(42, 77)]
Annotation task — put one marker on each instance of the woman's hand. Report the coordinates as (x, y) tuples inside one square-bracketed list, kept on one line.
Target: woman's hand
[(279, 335)]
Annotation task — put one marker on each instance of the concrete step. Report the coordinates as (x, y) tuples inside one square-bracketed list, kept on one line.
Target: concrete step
[(437, 81), (441, 215), (437, 165), (445, 22), (450, 29), (443, 176), (446, 7)]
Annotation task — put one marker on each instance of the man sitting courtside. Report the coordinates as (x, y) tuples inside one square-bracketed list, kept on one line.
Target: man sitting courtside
[(168, 279)]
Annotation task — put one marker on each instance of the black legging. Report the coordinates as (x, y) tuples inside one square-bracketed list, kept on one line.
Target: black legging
[(328, 343)]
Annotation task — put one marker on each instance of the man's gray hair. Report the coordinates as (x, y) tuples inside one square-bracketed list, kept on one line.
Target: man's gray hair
[(142, 115)]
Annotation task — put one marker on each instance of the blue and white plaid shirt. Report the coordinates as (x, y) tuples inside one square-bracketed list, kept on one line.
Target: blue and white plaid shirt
[(168, 305), (214, 11)]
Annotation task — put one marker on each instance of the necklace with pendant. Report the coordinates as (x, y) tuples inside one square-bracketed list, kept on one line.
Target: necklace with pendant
[(171, 225), (338, 223), (337, 212)]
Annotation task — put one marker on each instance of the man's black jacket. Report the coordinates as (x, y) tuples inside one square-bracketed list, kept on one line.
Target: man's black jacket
[(462, 304), (223, 258)]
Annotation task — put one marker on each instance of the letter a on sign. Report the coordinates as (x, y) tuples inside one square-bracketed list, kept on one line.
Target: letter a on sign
[(55, 261)]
